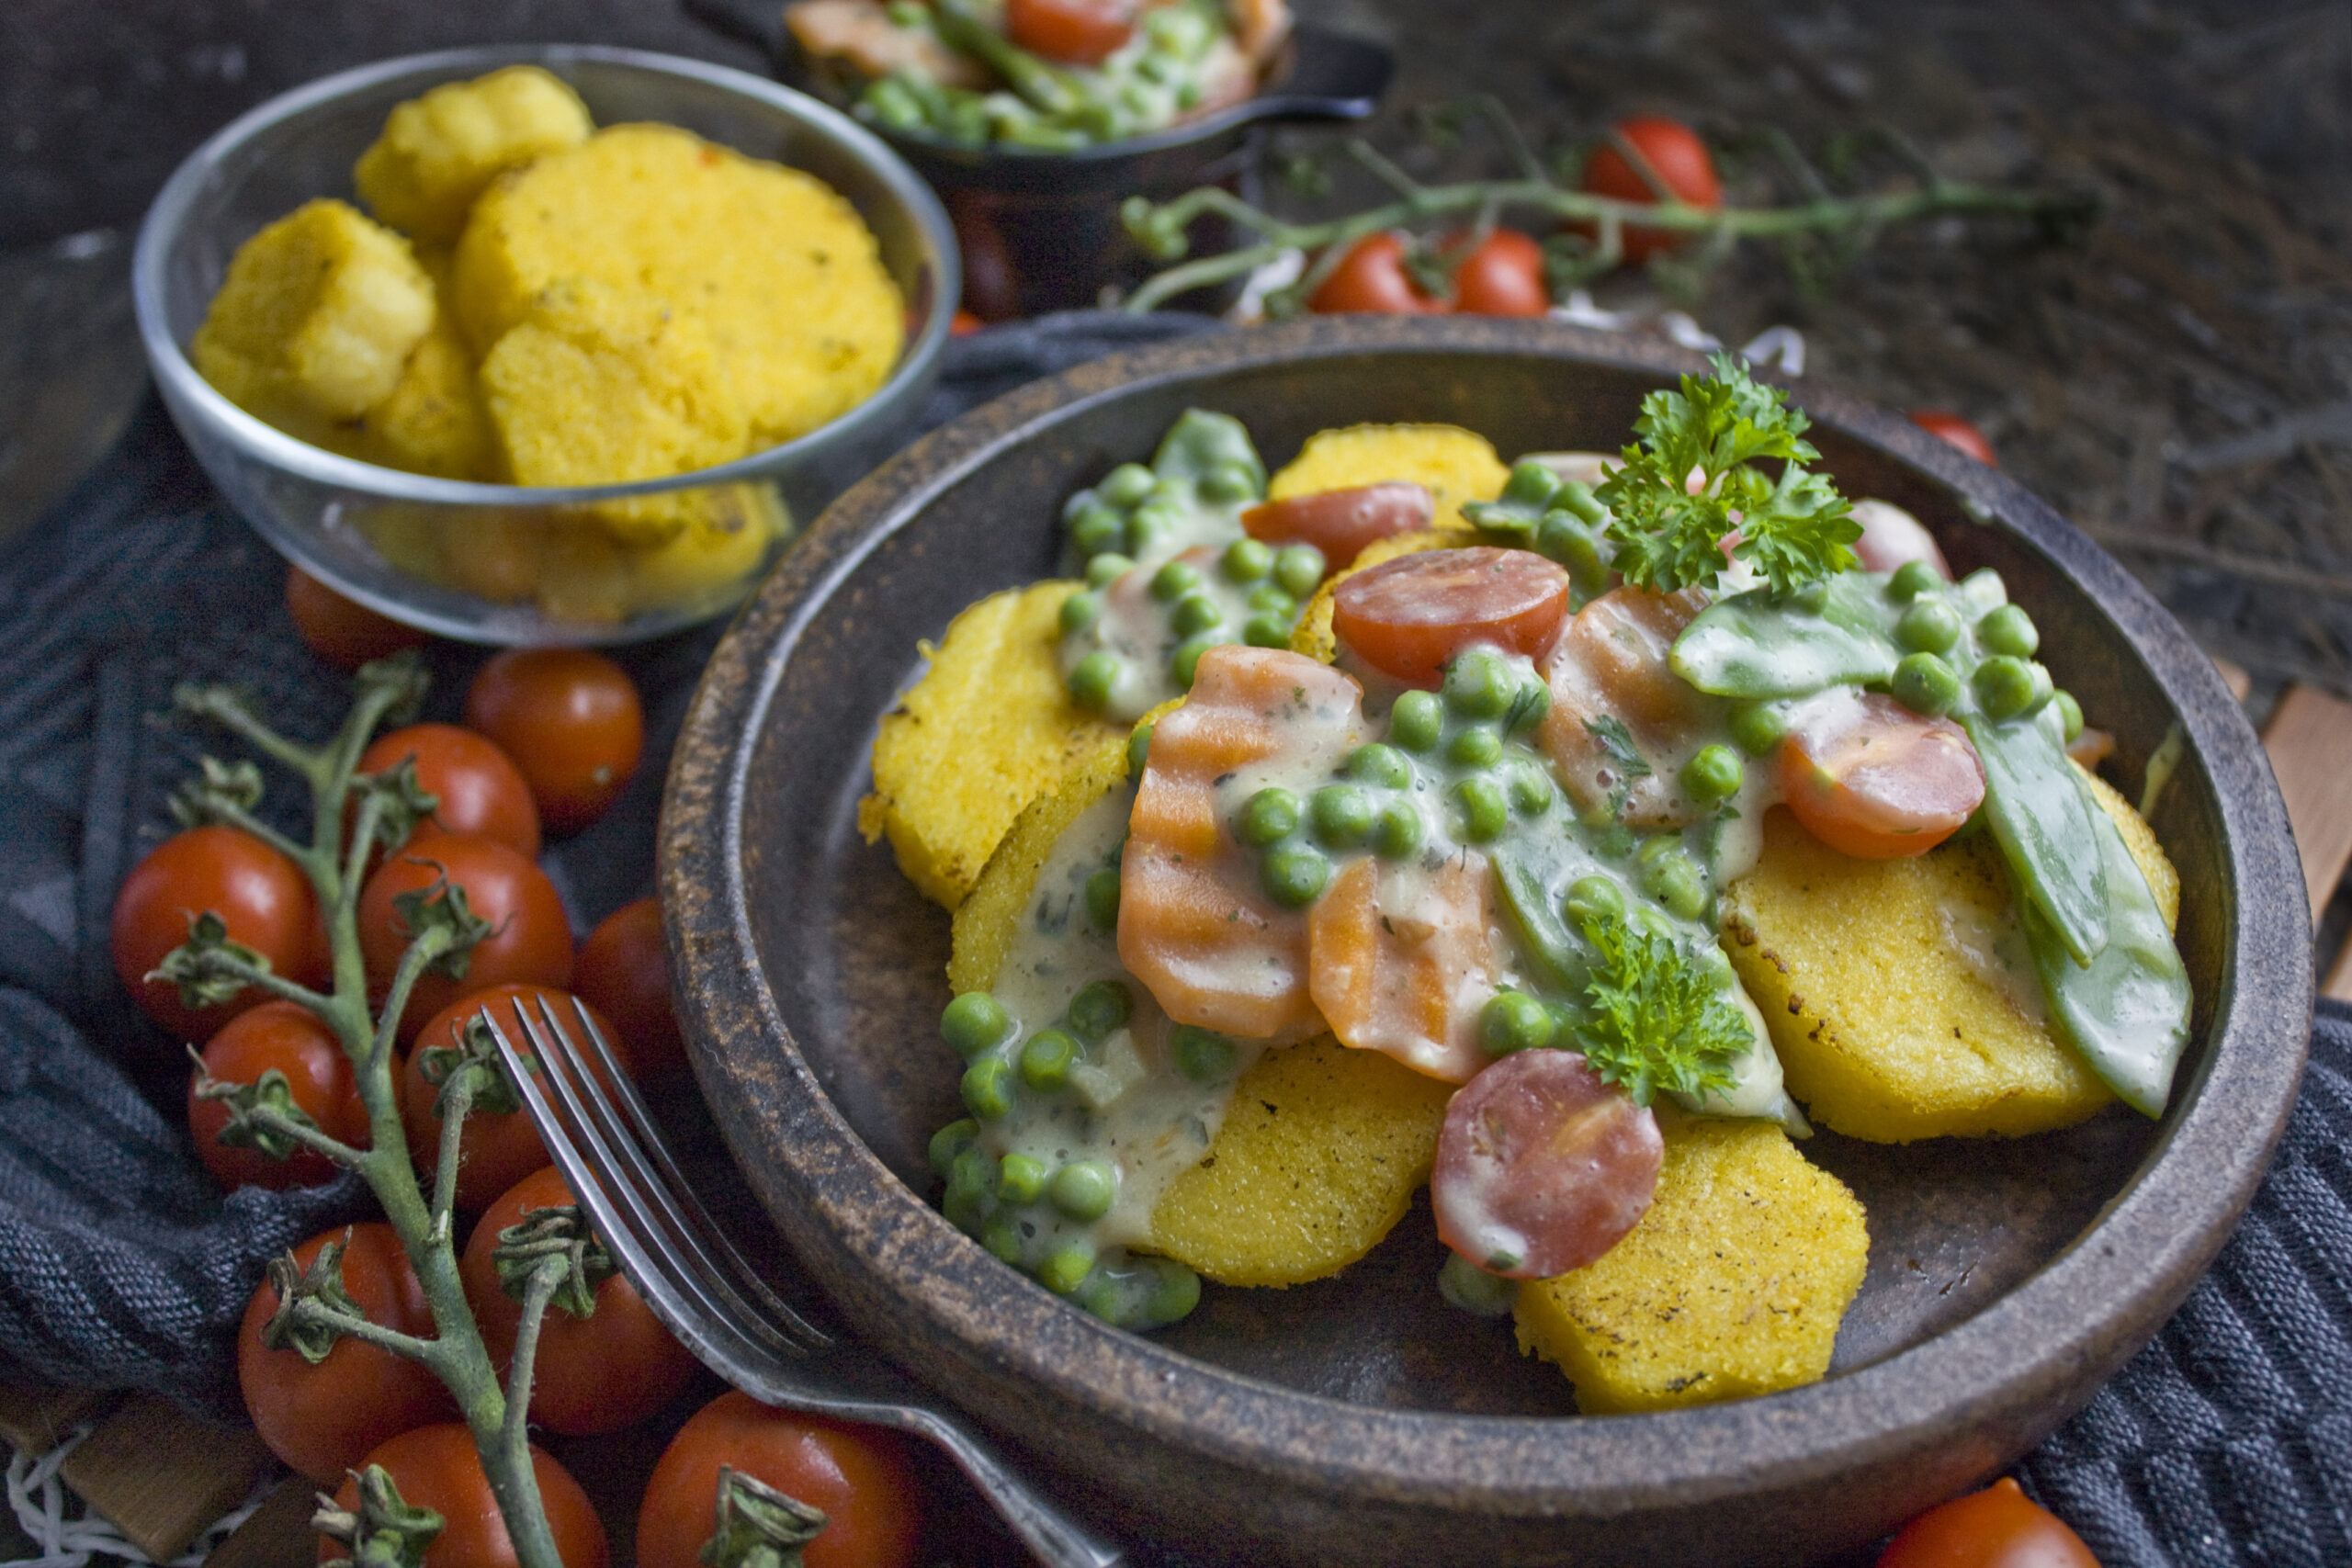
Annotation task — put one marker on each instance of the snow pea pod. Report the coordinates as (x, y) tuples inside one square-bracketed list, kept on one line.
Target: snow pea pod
[(1051, 91), (1755, 645), (1527, 898), (2042, 817)]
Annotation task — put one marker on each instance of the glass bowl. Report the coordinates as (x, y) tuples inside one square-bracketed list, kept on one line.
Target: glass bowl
[(511, 564)]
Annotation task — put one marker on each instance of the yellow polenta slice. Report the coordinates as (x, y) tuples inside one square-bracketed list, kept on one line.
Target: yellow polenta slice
[(1455, 465), (438, 151), (1900, 993), (988, 728), (990, 916), (1731, 1285)]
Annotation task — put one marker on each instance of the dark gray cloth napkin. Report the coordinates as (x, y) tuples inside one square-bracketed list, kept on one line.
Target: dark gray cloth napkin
[(2228, 1440)]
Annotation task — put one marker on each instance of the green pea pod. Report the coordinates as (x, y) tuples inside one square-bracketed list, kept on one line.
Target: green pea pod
[(2127, 1014), (960, 27), (2042, 815), (1200, 441), (1528, 900), (1519, 511), (1749, 646)]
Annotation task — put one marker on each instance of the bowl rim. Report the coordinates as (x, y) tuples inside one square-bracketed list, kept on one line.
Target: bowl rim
[(1991, 1372), (160, 229)]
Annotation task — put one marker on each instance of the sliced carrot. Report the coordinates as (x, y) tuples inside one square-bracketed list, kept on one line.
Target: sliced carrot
[(1612, 661), (1401, 963)]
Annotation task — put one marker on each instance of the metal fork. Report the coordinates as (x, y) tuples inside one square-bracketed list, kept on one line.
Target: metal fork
[(621, 1173)]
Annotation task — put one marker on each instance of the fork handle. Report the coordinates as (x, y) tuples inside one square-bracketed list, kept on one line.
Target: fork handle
[(1057, 1540)]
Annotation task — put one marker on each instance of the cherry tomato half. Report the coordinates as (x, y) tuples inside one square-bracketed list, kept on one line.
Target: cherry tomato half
[(288, 1038), (1075, 32), (1958, 432), (345, 633), (859, 1476), (529, 942), (437, 1468), (1893, 537), (262, 898), (1675, 153), (1372, 280), (624, 973), (479, 788), (1998, 1528), (1502, 277), (1409, 616), (571, 721), (1541, 1167), (1340, 523), (321, 1419), (1871, 779), (598, 1373)]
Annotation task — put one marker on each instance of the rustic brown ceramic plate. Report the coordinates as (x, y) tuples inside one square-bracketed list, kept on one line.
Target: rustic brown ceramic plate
[(1359, 1420)]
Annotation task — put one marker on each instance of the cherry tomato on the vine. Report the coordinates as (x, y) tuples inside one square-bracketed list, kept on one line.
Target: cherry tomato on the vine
[(1871, 779), (262, 896), (288, 1038), (1675, 153), (1409, 616), (859, 1476), (321, 1419), (437, 1468), (1958, 432), (624, 973), (1503, 276), (1075, 32), (343, 632), (479, 788), (1998, 1528), (529, 942), (1371, 279), (570, 719)]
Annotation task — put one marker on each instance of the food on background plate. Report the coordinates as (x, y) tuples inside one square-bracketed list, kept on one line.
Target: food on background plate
[(1480, 864), (539, 303), (1047, 75)]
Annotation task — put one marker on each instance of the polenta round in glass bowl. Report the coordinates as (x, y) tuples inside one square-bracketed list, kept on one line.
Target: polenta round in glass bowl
[(369, 435)]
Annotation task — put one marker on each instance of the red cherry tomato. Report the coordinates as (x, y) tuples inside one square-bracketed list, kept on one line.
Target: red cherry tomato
[(1503, 277), (1674, 151), (624, 974), (1998, 1528), (963, 323), (1958, 431), (1372, 280), (1077, 32), (341, 631), (1892, 537), (321, 1419), (571, 721), (1340, 523), (288, 1038), (530, 942), (1409, 616), (859, 1476), (598, 1373), (479, 788), (437, 1468), (1871, 779), (494, 1150), (1541, 1167), (261, 896)]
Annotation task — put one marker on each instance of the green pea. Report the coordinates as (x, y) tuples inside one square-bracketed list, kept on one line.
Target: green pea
[(1021, 1178), (988, 1088), (1127, 484), (1138, 748), (1925, 684), (1714, 773), (1397, 831), (2009, 630), (1484, 812), (1268, 599), (973, 1173), (966, 1207), (1758, 728), (973, 1022), (1245, 560), (1466, 1285), (1185, 662), (1047, 1058), (1341, 815), (1382, 765), (1201, 1056), (1066, 1267), (1652, 923), (1079, 612), (2070, 714), (1097, 530), (1675, 882), (1476, 747), (1531, 485), (1912, 579), (2044, 688), (1175, 580), (1417, 721), (1101, 892), (1002, 1237), (1148, 531), (1512, 1021), (1226, 483), (1295, 875), (1983, 588), (949, 1142), (1101, 1009), (1656, 844), (1561, 538), (1929, 626), (1298, 569), (1532, 794), (1594, 896), (1106, 569), (1084, 1189), (2005, 687), (1196, 613), (1091, 678), (1479, 685), (1269, 815), (888, 100), (1175, 1292), (1266, 631)]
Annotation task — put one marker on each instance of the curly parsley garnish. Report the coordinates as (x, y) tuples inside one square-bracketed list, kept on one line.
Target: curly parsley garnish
[(1658, 1018), (1794, 531)]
